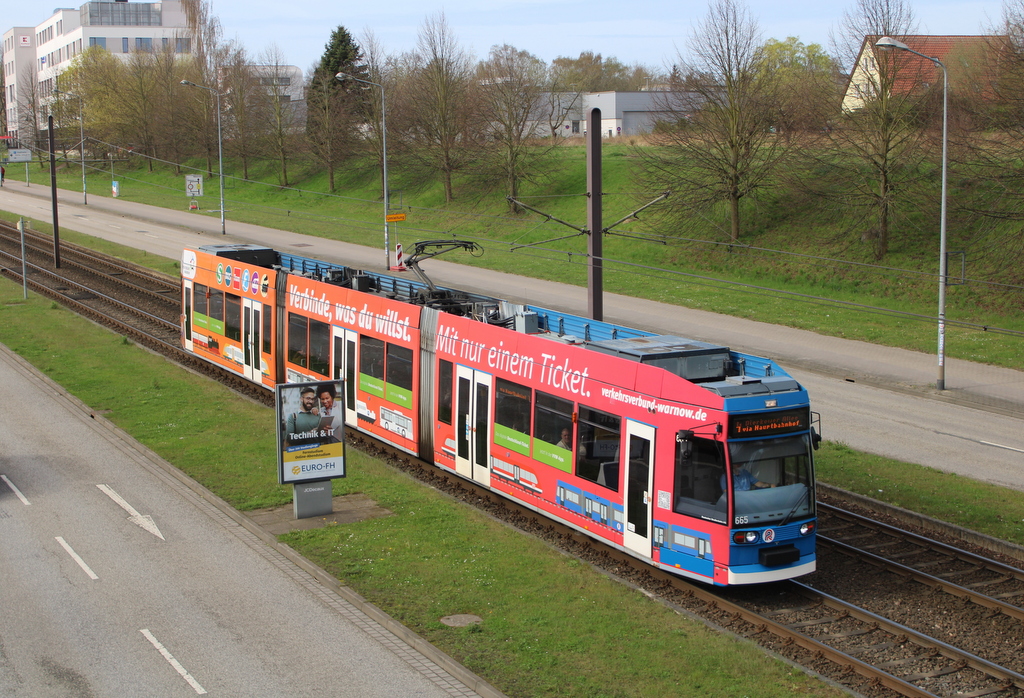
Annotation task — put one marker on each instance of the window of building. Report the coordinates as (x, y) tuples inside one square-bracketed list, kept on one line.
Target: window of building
[(100, 41), (144, 43), (183, 45), (124, 45)]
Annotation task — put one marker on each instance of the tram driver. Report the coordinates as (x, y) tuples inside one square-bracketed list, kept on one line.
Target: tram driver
[(742, 481)]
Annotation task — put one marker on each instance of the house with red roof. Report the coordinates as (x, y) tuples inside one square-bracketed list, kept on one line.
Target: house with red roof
[(904, 73)]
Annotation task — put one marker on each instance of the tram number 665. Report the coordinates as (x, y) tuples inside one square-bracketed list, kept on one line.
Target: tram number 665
[(740, 520)]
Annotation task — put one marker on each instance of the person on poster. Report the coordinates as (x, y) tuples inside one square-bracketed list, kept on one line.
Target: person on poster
[(330, 412), (301, 426)]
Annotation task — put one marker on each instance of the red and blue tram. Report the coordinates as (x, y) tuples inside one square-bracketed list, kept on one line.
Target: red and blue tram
[(692, 457)]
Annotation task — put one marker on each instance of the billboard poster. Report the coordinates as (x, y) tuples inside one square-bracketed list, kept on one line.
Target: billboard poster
[(311, 431)]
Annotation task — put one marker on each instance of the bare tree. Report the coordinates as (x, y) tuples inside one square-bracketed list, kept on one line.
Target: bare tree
[(807, 77), (281, 117), (438, 118), (379, 70), (244, 103), (564, 97), (30, 111), (877, 147), (208, 55), (720, 147), (512, 90)]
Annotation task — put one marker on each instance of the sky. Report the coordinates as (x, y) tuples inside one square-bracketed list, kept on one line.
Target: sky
[(633, 31)]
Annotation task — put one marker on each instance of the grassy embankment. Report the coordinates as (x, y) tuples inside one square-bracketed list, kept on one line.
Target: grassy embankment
[(731, 280)]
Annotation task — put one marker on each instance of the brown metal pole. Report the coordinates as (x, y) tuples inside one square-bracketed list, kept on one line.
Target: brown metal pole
[(595, 225), (53, 196)]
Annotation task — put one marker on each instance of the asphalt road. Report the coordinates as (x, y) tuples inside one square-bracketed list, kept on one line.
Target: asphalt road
[(875, 399), (116, 581)]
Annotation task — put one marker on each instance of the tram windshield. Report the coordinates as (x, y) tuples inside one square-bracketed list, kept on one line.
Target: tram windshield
[(772, 480)]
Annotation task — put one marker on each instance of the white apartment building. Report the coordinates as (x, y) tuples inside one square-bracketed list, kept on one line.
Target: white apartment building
[(34, 56)]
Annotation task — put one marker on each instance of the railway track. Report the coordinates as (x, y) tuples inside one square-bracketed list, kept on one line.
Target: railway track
[(889, 612), (138, 303)]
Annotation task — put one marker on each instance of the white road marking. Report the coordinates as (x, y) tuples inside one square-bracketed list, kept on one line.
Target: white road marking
[(135, 517), (1008, 448), (76, 558), (173, 662), (16, 491)]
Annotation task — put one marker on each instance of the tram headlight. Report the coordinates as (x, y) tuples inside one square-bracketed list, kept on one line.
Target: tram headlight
[(807, 528), (745, 537)]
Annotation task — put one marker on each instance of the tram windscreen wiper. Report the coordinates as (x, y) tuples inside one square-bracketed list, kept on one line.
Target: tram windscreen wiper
[(799, 501)]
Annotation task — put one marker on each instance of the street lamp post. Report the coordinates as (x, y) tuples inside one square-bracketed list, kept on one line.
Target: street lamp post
[(220, 148), (887, 43), (81, 134), (384, 160)]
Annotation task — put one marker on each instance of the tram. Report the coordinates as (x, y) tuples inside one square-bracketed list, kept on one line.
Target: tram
[(692, 457)]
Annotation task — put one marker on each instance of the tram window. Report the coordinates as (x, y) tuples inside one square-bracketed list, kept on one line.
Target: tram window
[(268, 338), (371, 357), (512, 405), (319, 347), (444, 391), (199, 299), (598, 435), (399, 366), (551, 416), (298, 332), (215, 309), (232, 316), (699, 467)]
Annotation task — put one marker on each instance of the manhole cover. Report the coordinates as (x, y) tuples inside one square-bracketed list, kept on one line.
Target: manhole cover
[(461, 620)]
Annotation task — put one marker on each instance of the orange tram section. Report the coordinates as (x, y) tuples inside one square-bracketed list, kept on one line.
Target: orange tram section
[(692, 457)]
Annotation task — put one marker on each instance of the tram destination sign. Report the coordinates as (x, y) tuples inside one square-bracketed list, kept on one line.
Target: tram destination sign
[(744, 426)]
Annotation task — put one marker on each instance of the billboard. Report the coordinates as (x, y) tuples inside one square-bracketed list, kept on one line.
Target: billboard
[(311, 431)]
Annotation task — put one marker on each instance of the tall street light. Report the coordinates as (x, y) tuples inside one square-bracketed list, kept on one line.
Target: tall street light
[(81, 134), (888, 43), (384, 160), (220, 148)]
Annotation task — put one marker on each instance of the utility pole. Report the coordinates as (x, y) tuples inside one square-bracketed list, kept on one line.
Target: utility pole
[(595, 225)]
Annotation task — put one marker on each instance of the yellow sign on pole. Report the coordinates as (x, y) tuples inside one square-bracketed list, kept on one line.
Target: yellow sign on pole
[(394, 217)]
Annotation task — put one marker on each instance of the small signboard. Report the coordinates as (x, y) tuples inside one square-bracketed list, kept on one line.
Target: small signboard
[(311, 431), (394, 217), (193, 185), (19, 155)]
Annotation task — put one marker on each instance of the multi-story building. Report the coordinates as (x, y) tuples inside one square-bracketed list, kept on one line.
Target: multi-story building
[(33, 57)]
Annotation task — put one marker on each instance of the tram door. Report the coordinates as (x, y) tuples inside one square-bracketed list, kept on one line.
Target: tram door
[(252, 342), (186, 321), (473, 424), (638, 460), (344, 367)]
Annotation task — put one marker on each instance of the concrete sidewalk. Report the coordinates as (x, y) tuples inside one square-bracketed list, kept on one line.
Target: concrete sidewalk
[(967, 383)]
